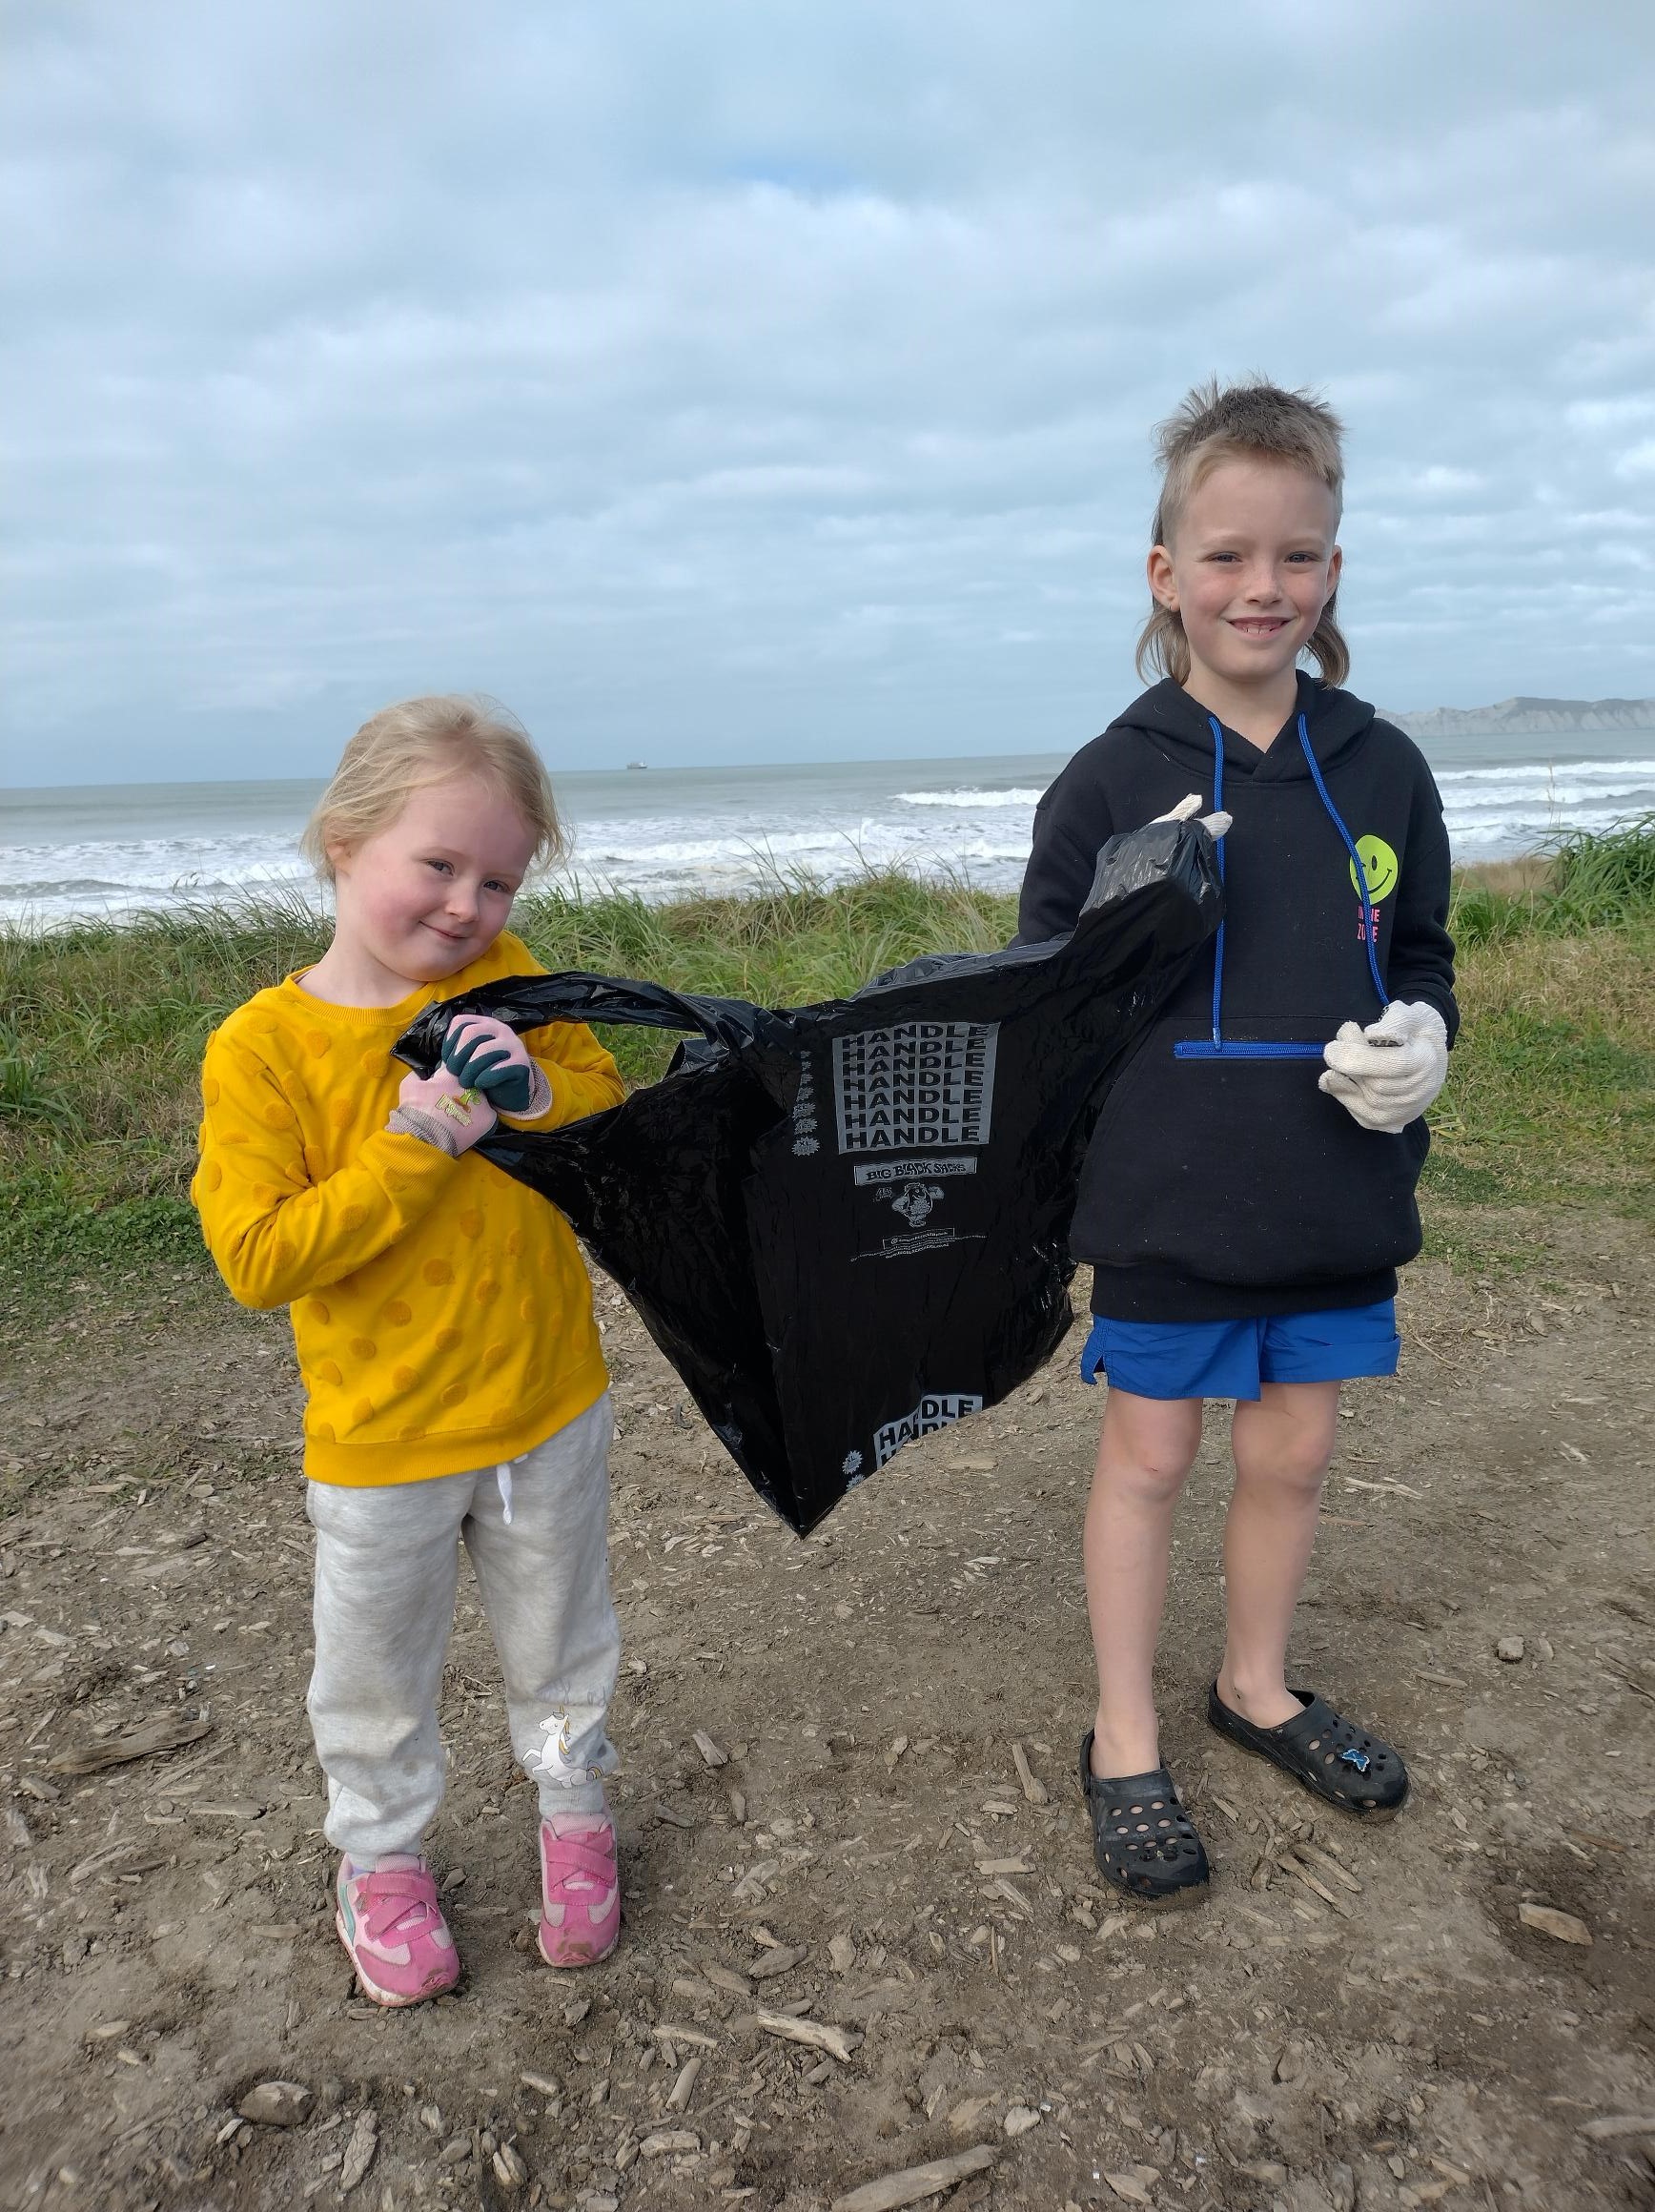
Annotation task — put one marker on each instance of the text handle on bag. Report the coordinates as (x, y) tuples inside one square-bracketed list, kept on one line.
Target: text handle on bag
[(917, 1086)]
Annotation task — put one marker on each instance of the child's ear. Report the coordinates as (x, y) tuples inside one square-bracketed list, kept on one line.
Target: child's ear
[(1159, 570)]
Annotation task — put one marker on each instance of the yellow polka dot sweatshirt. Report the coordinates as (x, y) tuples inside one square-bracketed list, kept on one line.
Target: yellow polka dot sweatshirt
[(440, 1310)]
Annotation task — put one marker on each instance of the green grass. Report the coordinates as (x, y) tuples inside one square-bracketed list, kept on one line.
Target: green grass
[(1583, 882), (1552, 1096), (104, 1027)]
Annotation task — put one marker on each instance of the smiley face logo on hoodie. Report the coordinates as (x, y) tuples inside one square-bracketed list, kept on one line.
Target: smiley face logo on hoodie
[(1378, 866)]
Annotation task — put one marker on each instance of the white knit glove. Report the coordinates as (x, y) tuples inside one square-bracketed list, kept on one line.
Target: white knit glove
[(1386, 1074), (1215, 824)]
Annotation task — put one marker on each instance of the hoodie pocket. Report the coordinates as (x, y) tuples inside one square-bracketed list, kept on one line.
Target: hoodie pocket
[(1242, 1171)]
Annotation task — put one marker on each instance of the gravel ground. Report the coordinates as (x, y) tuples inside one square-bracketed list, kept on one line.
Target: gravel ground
[(863, 1928)]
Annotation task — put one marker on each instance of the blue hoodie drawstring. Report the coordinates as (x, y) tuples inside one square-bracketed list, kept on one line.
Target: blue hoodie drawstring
[(1218, 940), (1369, 932), (1215, 1047)]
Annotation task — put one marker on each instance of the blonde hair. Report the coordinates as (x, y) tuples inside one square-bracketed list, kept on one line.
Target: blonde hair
[(419, 742), (1254, 420)]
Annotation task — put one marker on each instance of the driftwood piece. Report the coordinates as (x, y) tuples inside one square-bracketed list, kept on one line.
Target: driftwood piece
[(169, 1734), (361, 2149), (815, 2035), (1615, 2124), (892, 2191), (1562, 1927), (1033, 1788)]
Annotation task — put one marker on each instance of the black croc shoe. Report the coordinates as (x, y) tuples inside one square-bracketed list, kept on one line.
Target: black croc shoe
[(1331, 1756), (1142, 1838)]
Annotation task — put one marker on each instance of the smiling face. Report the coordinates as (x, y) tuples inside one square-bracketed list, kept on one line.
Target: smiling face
[(431, 892), (1251, 564)]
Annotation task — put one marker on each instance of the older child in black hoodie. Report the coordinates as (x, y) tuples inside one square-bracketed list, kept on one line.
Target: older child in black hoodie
[(1249, 1193)]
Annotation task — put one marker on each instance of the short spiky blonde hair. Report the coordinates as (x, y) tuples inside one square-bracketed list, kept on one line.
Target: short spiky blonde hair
[(1254, 420), (419, 742)]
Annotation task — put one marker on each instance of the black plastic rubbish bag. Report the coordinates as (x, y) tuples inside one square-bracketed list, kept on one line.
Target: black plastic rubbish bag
[(847, 1225)]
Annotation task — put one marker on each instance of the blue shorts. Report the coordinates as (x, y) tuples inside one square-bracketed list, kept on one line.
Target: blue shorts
[(1232, 1359)]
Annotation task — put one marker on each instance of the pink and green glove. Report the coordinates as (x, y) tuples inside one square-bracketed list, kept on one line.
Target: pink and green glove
[(488, 1055), (441, 1110)]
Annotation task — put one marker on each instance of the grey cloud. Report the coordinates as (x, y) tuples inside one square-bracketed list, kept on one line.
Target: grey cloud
[(775, 381)]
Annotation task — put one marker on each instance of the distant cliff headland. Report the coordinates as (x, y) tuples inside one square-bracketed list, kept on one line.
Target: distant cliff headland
[(1526, 717)]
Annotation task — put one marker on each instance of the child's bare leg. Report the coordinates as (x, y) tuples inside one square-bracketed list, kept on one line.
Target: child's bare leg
[(1282, 1445), (1147, 1449)]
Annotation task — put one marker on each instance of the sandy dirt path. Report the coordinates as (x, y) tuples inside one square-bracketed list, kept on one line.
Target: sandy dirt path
[(1354, 2019)]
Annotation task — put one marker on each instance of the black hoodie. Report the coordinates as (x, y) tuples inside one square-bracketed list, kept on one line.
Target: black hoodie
[(1221, 1183)]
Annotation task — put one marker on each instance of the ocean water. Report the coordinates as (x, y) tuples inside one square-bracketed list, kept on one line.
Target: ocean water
[(115, 850)]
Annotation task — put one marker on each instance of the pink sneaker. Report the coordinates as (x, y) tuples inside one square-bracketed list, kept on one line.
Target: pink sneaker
[(390, 1922), (580, 1889)]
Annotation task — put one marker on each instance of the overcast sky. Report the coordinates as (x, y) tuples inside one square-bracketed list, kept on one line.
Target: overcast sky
[(752, 380)]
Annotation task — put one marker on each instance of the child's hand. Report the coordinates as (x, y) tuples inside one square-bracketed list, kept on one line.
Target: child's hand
[(489, 1055), (1385, 1076), (441, 1110)]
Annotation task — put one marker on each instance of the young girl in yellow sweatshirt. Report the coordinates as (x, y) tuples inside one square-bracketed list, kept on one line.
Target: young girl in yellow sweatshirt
[(443, 1323)]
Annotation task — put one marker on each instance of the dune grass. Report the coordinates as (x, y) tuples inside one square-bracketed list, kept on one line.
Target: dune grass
[(1552, 1098), (1585, 881), (102, 1025)]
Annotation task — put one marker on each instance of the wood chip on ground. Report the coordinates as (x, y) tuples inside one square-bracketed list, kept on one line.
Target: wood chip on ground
[(915, 2183)]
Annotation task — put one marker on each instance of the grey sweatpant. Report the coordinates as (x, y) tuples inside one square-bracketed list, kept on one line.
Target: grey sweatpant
[(387, 1569)]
